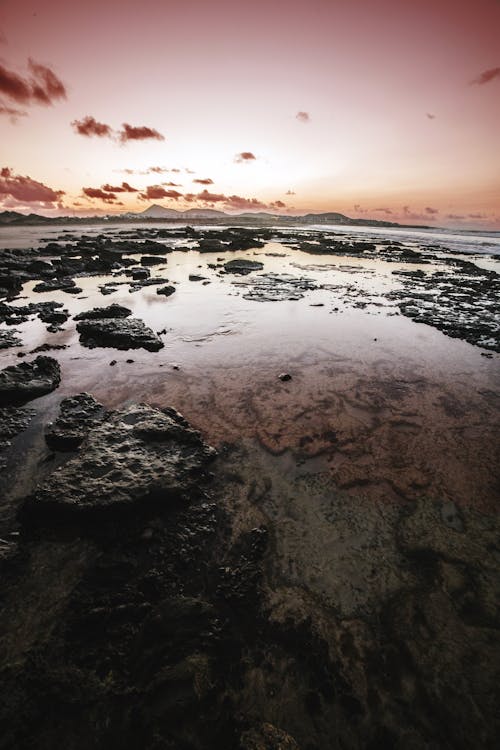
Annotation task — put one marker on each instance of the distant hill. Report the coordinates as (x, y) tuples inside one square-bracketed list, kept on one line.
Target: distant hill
[(156, 212)]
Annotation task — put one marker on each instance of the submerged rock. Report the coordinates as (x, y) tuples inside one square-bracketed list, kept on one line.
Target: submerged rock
[(8, 339), (118, 333), (77, 415), (243, 266), (29, 380), (139, 455)]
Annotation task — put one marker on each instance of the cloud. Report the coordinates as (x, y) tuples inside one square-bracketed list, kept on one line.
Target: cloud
[(26, 190), (123, 188), (171, 184), (477, 216), (138, 133), (104, 195), (290, 192), (11, 112), (455, 216), (206, 181), (277, 204), (90, 127), (430, 116), (157, 170), (430, 210), (387, 211), (155, 192), (303, 117), (486, 76), (244, 156), (41, 86)]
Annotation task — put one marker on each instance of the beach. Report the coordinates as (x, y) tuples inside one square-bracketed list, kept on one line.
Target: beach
[(309, 554)]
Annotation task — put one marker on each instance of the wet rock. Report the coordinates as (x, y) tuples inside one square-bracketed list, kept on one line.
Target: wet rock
[(267, 737), (54, 317), (98, 313), (152, 260), (147, 282), (13, 420), (285, 377), (61, 284), (28, 380), (211, 245), (136, 457), (196, 277), (166, 290), (8, 339), (77, 415), (118, 333), (243, 266)]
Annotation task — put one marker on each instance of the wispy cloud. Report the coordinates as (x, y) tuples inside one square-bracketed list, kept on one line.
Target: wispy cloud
[(486, 77), (303, 117)]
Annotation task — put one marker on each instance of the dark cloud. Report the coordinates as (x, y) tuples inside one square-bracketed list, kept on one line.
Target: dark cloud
[(138, 133), (26, 190), (431, 211), (244, 156), (89, 126), (384, 210), (303, 117), (206, 181), (103, 195), (210, 197), (42, 86), (155, 192), (277, 204), (123, 188), (486, 77)]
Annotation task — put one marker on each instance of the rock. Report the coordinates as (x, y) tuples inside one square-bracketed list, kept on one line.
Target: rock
[(8, 339), (54, 317), (29, 380), (13, 420), (152, 260), (77, 415), (196, 277), (243, 266), (137, 456), (285, 377), (267, 737), (166, 290), (62, 284), (118, 333), (98, 313)]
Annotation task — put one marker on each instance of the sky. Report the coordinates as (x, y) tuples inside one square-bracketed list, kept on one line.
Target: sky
[(374, 108)]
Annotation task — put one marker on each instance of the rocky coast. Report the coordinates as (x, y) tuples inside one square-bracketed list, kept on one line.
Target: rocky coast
[(249, 491)]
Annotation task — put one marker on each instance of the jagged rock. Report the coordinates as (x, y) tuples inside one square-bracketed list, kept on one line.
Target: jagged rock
[(118, 333), (136, 456), (98, 313), (243, 266), (77, 415), (152, 260), (12, 421), (29, 380), (61, 284)]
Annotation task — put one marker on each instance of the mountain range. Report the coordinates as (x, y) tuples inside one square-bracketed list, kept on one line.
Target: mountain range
[(156, 212)]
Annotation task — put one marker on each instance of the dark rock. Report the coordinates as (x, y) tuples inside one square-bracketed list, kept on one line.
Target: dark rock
[(118, 333), (152, 260), (61, 284), (29, 380), (77, 415), (98, 313), (8, 339), (196, 277), (166, 290), (137, 456), (13, 420), (267, 737), (243, 266), (285, 377)]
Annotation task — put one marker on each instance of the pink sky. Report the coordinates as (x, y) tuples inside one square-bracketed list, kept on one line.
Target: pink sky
[(385, 109)]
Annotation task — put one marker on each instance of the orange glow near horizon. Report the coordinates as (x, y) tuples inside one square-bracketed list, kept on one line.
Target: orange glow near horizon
[(385, 110)]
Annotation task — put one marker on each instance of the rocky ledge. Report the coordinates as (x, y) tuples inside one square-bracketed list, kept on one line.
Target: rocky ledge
[(118, 333), (28, 380), (137, 456)]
